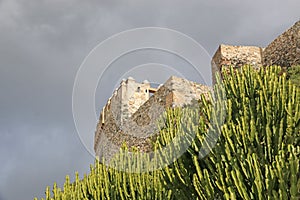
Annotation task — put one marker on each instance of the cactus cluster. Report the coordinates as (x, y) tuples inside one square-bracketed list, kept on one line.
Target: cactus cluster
[(293, 73), (108, 183), (256, 154)]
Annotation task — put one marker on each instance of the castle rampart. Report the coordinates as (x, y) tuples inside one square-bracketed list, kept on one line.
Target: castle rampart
[(141, 112), (283, 51), (131, 114)]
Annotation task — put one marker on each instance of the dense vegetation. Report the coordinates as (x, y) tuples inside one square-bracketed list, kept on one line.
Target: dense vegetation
[(256, 155), (294, 74)]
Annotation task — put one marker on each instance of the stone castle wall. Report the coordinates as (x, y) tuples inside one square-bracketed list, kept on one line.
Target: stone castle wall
[(176, 92), (283, 51), (131, 114), (142, 124), (126, 100), (236, 56)]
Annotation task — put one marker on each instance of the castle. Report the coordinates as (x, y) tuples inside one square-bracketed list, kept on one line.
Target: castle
[(131, 114)]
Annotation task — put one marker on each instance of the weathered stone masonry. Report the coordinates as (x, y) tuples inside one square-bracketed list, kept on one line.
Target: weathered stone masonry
[(131, 114), (137, 121), (236, 56), (283, 51)]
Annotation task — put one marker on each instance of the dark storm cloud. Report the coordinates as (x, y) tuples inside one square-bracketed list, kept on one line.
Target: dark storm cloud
[(42, 44)]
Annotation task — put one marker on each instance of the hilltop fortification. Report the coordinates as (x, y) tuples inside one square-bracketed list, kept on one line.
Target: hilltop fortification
[(131, 114), (283, 51)]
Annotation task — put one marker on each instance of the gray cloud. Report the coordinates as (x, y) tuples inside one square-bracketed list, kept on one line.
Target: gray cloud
[(42, 44)]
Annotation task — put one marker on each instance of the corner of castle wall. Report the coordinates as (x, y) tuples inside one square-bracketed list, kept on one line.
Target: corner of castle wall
[(285, 49), (236, 56)]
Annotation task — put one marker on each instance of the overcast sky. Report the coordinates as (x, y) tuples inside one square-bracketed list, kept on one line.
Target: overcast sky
[(44, 42)]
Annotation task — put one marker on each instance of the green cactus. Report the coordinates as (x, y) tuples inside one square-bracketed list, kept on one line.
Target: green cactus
[(257, 154)]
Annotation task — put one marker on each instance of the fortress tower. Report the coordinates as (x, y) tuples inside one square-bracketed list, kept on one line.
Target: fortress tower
[(131, 114), (126, 99)]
